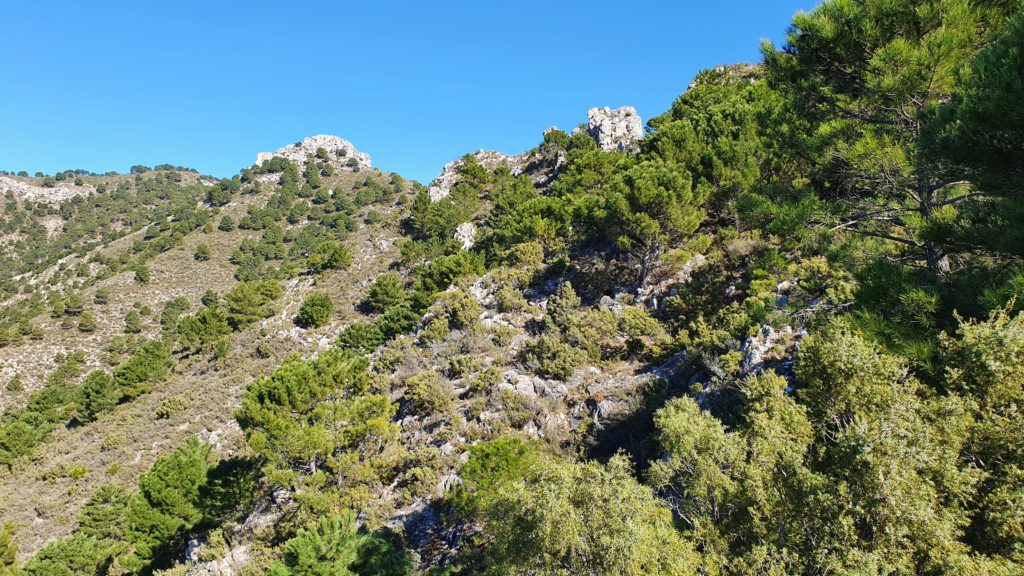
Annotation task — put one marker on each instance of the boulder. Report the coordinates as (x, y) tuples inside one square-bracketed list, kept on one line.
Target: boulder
[(466, 234), (618, 129), (756, 348)]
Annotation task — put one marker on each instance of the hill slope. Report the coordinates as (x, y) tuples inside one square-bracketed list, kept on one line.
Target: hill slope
[(773, 333)]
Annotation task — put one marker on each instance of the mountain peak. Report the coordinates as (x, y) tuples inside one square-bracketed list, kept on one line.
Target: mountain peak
[(335, 149)]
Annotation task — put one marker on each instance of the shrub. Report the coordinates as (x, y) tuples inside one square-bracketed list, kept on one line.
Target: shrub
[(99, 394), (250, 302), (563, 307), (386, 291), (361, 336), (396, 320), (490, 464), (509, 299), (150, 364), (87, 322), (315, 311), (330, 255), (101, 296), (75, 554), (548, 355), (428, 393), (142, 275), (461, 309), (73, 305), (227, 224), (435, 331), (105, 513), (174, 406), (463, 365), (334, 546), (321, 412), (172, 310), (487, 378), (202, 253), (132, 322)]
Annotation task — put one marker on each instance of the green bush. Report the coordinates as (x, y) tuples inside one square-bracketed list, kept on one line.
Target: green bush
[(429, 394), (509, 299), (104, 515), (101, 296), (548, 355), (491, 464), (87, 322), (74, 555), (331, 255), (202, 253), (132, 322), (460, 308), (334, 547), (320, 428), (250, 302), (148, 365), (99, 394), (361, 336), (396, 320), (172, 407), (435, 331), (315, 311), (386, 291)]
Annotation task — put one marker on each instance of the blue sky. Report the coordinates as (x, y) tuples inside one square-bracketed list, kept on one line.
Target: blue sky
[(105, 85)]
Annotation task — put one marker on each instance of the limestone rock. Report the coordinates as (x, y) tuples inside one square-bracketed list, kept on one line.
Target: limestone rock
[(442, 186), (59, 193), (757, 349), (339, 151), (618, 129), (466, 234), (231, 564)]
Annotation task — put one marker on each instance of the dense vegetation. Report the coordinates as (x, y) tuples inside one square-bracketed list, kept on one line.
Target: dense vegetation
[(813, 261)]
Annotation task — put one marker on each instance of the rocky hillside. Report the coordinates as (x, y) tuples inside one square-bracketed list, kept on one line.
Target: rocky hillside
[(777, 329)]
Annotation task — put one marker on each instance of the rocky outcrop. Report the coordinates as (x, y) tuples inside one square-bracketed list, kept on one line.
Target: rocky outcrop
[(340, 152), (441, 187), (768, 345), (466, 235), (232, 563), (57, 194), (618, 129)]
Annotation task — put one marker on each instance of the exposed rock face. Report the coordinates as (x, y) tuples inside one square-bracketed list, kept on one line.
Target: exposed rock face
[(618, 129), (466, 234), (767, 345), (231, 564), (441, 187), (59, 193), (339, 151)]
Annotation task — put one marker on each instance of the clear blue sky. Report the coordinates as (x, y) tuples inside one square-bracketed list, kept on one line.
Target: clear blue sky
[(206, 84)]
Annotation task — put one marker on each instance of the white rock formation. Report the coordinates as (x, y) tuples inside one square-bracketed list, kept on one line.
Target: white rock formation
[(441, 187), (339, 151), (618, 129), (59, 193), (755, 348), (466, 234)]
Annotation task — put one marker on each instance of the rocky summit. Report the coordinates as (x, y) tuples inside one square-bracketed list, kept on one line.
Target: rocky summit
[(618, 129), (331, 148)]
